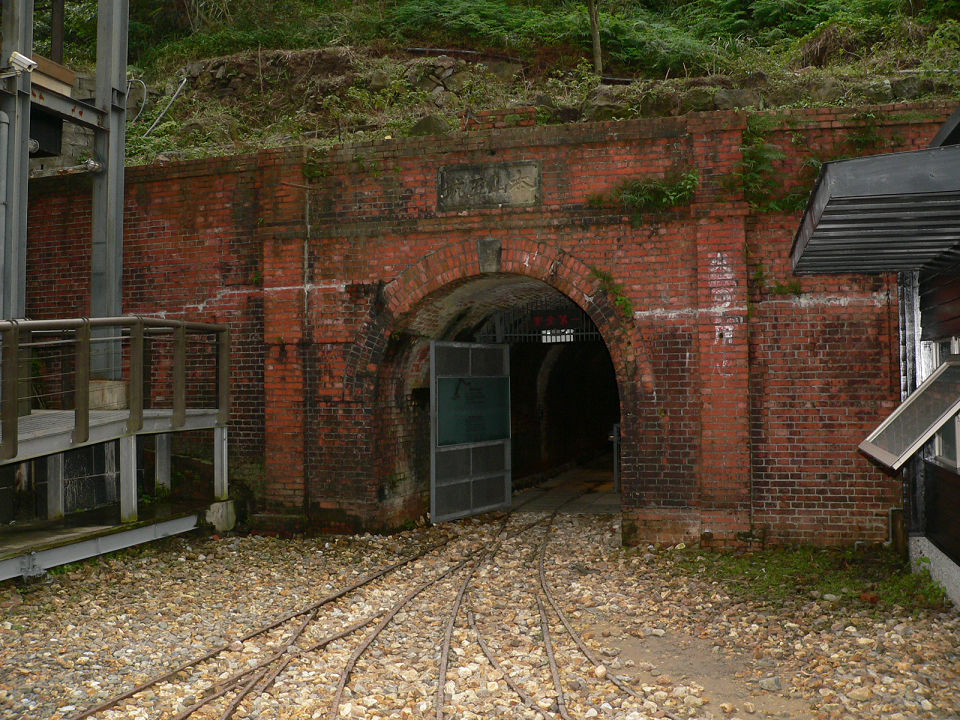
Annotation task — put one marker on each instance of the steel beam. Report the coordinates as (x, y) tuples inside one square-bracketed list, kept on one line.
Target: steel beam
[(108, 149), (39, 561), (66, 108), (15, 104)]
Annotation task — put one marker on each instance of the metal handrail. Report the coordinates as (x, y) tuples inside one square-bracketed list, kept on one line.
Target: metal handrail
[(121, 321), (11, 332)]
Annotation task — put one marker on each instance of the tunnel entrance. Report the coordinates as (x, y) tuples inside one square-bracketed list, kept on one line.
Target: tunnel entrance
[(564, 398)]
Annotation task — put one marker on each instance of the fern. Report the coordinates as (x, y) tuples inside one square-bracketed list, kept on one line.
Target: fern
[(656, 195)]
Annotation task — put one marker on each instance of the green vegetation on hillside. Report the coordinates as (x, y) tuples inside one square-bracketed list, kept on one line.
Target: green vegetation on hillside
[(768, 52), (648, 38)]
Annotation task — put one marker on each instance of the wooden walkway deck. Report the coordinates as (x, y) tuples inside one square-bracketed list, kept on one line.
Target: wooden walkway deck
[(45, 432)]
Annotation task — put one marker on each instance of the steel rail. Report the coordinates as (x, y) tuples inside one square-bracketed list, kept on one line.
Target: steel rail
[(235, 703), (491, 658), (448, 637), (258, 677), (107, 704), (125, 321), (451, 623), (223, 687), (256, 680), (574, 635), (549, 521), (544, 630), (577, 639), (259, 671), (358, 652), (551, 658)]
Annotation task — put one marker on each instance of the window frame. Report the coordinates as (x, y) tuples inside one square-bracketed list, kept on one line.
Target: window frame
[(952, 425), (895, 462)]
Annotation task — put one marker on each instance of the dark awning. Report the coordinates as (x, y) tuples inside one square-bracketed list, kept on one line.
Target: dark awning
[(881, 214)]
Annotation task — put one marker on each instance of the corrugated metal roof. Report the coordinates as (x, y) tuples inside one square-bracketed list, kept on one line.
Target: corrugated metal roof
[(882, 213)]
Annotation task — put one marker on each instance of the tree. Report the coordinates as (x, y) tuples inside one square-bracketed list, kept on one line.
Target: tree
[(595, 34)]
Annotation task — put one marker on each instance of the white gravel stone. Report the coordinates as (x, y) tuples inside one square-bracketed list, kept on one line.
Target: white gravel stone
[(81, 638)]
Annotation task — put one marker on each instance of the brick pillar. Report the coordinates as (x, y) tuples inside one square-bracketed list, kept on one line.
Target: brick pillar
[(284, 379), (724, 464)]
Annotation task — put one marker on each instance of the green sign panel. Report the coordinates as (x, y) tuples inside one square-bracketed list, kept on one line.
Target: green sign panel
[(472, 410)]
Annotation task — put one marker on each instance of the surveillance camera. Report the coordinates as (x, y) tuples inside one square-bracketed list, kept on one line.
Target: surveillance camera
[(22, 63)]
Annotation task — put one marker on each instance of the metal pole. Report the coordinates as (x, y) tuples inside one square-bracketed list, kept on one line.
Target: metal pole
[(179, 376), (55, 505), (4, 147), (162, 464), (221, 486), (615, 438), (15, 102), (223, 376), (108, 149), (128, 478)]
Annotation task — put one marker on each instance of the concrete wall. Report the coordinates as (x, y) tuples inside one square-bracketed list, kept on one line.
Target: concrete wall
[(924, 555)]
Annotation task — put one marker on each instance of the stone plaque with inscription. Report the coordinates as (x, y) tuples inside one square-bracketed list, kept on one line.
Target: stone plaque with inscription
[(511, 184)]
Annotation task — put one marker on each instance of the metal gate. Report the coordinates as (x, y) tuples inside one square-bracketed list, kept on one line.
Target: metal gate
[(469, 429)]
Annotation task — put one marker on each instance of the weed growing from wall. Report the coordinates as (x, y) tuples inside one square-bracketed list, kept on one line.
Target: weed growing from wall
[(756, 171), (614, 290), (650, 195)]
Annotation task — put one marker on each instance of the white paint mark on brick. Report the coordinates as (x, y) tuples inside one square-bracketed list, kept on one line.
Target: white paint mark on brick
[(688, 312), (722, 280), (877, 299)]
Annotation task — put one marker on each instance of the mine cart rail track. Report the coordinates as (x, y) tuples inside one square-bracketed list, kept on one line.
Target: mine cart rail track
[(295, 639)]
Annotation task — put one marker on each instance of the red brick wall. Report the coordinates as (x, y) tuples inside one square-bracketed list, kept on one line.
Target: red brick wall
[(194, 235), (743, 394)]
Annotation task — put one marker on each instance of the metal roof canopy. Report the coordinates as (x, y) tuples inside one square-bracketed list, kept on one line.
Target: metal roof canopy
[(884, 213)]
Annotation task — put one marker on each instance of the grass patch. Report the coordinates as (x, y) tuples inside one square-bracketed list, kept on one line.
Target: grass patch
[(871, 577)]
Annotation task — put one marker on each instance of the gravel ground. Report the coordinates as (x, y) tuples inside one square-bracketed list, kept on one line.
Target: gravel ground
[(679, 646)]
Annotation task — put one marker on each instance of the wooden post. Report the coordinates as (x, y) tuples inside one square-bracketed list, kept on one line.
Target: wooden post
[(81, 385)]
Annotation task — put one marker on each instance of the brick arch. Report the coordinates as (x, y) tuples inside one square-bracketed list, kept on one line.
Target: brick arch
[(456, 263), (384, 354)]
